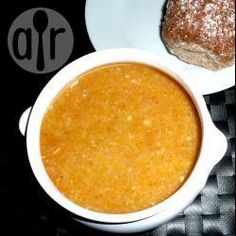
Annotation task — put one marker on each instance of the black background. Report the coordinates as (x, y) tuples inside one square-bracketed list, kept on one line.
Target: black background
[(29, 210), (28, 207)]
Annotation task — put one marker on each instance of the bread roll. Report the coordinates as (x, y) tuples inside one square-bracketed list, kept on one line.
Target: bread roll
[(201, 32)]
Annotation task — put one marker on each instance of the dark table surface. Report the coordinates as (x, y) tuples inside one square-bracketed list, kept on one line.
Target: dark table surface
[(31, 212)]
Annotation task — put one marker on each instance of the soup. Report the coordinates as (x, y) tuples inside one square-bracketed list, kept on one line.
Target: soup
[(120, 138)]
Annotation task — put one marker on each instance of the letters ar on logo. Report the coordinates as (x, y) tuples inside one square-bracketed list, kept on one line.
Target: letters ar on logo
[(40, 40)]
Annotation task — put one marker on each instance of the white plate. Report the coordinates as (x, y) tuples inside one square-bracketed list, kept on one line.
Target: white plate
[(136, 24)]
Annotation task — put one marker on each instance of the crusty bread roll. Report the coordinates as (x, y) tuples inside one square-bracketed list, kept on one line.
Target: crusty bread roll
[(201, 32)]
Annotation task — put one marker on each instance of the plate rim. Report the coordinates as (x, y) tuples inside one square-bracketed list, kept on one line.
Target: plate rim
[(210, 90)]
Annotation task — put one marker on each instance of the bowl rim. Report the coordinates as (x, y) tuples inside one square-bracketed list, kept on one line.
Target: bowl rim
[(189, 189)]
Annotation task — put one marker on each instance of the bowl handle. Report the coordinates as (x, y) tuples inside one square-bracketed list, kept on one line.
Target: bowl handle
[(24, 120), (219, 146)]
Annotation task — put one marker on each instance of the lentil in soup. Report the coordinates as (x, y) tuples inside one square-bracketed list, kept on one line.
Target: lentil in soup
[(120, 138)]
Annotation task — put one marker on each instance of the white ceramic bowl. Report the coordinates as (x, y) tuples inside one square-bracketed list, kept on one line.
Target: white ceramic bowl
[(214, 145)]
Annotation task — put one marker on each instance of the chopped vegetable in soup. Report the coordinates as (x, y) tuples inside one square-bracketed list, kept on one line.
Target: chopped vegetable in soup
[(120, 138)]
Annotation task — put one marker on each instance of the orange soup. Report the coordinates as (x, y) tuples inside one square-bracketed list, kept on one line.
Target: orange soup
[(120, 138)]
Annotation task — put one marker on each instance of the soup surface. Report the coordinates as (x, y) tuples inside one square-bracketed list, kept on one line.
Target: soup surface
[(120, 138)]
